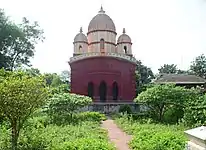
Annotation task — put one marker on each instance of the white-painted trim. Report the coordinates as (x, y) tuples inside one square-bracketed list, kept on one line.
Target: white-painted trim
[(114, 55)]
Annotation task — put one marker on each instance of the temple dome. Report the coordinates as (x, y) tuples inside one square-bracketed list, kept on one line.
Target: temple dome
[(80, 37), (101, 22), (124, 38)]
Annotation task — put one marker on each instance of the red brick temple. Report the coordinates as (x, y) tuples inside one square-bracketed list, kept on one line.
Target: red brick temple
[(103, 67)]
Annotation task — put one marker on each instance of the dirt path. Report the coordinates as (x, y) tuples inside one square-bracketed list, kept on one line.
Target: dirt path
[(116, 135)]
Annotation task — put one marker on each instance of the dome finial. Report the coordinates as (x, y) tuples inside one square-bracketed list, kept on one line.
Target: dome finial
[(124, 31), (101, 10), (80, 30)]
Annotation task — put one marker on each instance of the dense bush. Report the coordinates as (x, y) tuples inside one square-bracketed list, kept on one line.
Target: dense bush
[(125, 109), (40, 134), (173, 114), (167, 101), (1, 118), (158, 139), (91, 116), (84, 144), (149, 136), (139, 116), (62, 107), (195, 112)]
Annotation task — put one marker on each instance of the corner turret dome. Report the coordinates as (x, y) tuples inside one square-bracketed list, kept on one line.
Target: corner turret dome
[(80, 37), (124, 38), (101, 22)]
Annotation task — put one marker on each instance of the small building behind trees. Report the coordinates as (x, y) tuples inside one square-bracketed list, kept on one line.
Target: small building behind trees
[(185, 80)]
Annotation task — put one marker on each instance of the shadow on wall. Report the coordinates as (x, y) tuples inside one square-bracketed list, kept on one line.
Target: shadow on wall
[(103, 91), (110, 108)]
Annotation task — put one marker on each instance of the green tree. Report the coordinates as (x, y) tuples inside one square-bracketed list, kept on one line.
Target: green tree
[(171, 68), (63, 88), (183, 71), (33, 72), (49, 78), (198, 66), (166, 68), (144, 75), (17, 42), (160, 98), (56, 81), (66, 104), (20, 96), (53, 79)]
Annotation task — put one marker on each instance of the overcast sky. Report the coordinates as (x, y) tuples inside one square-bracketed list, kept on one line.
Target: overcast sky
[(162, 31)]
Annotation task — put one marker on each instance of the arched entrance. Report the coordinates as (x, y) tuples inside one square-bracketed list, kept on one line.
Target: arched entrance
[(103, 91), (115, 90), (90, 89)]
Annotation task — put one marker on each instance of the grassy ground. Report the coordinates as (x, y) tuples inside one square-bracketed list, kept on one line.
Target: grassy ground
[(42, 135), (150, 136)]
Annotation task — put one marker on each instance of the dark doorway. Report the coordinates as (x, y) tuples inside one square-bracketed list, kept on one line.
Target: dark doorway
[(125, 49), (103, 91), (115, 90), (90, 89)]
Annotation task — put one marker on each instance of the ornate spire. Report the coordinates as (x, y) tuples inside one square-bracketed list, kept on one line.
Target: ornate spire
[(80, 30), (124, 31), (101, 10)]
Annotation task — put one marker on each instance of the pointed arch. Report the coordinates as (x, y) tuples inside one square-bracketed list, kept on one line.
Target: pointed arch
[(103, 91), (115, 90), (80, 48), (102, 42), (90, 89), (125, 49)]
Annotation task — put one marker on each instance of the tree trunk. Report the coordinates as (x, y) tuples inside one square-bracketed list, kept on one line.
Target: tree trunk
[(14, 137), (161, 113), (160, 116)]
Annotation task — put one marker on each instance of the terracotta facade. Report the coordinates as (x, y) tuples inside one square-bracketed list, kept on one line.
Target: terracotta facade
[(104, 69)]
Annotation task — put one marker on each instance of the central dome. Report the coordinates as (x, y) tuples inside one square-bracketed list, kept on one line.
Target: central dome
[(101, 22)]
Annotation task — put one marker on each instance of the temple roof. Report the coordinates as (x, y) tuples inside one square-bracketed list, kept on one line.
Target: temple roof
[(180, 79), (101, 22), (124, 38)]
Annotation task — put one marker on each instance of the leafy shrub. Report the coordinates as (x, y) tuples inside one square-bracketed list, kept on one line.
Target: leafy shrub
[(38, 122), (173, 114), (125, 109), (1, 118), (4, 138), (91, 116), (150, 136), (88, 135), (140, 116), (64, 105), (195, 112), (158, 140), (160, 98), (84, 144)]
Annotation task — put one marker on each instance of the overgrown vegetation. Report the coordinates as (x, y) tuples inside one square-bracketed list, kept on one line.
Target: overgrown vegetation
[(63, 106), (169, 103), (20, 96), (39, 133), (39, 119), (152, 136), (170, 110), (125, 109)]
